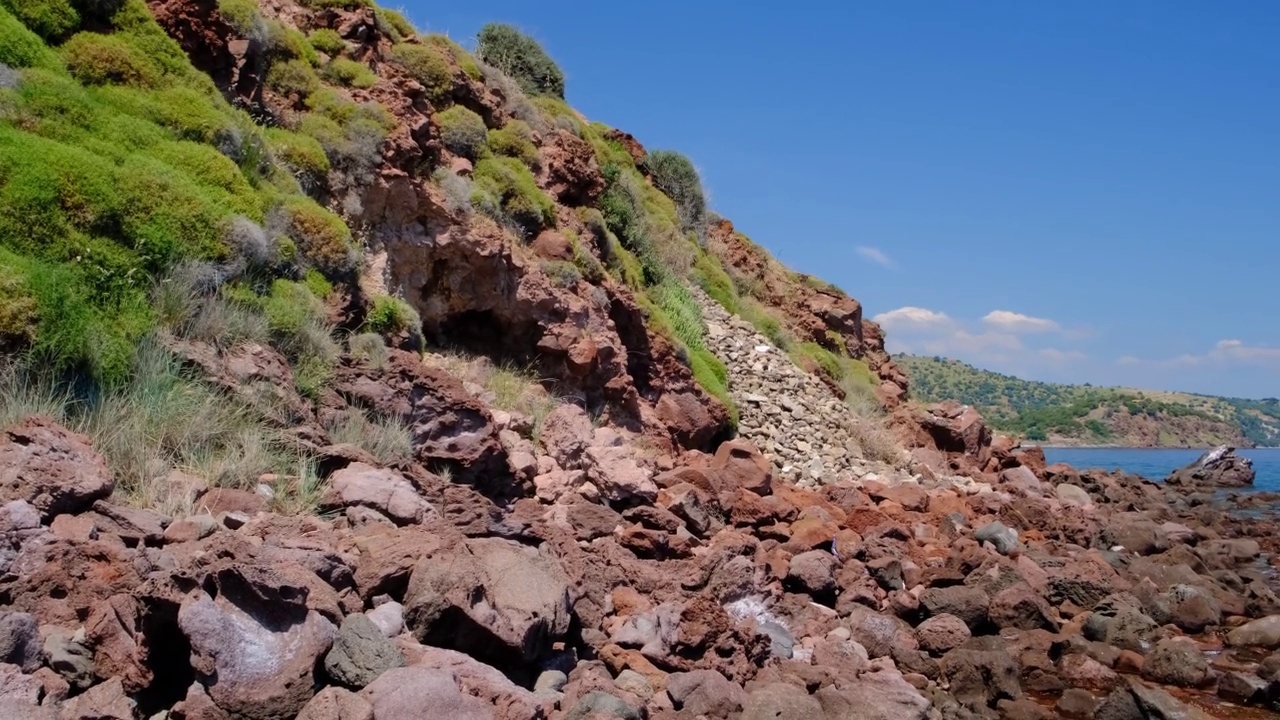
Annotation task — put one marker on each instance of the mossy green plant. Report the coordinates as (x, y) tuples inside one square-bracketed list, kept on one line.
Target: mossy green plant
[(429, 65), (395, 24), (464, 59), (350, 73), (293, 77), (327, 41), (522, 58), (506, 185), (52, 20), (21, 48), (244, 17), (462, 131), (322, 237), (96, 59), (390, 315), (515, 139)]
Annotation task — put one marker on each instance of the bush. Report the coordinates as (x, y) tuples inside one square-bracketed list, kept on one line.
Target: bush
[(563, 274), (303, 154), (557, 113), (293, 77), (394, 24), (50, 19), (96, 59), (354, 145), (715, 282), (287, 43), (456, 51), (522, 58), (512, 188), (457, 189), (515, 139), (429, 66), (676, 176), (390, 315), (462, 131), (328, 41), (369, 347), (320, 235), (18, 310), (244, 18), (21, 48), (350, 73)]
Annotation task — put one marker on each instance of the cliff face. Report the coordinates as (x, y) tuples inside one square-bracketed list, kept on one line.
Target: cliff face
[(428, 409)]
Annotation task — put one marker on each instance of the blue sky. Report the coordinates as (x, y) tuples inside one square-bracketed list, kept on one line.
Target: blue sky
[(1080, 192)]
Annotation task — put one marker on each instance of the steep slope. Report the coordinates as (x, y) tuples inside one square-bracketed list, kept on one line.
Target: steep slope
[(1083, 414)]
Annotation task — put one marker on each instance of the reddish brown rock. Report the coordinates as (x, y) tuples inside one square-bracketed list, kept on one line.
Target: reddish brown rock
[(50, 467), (740, 465)]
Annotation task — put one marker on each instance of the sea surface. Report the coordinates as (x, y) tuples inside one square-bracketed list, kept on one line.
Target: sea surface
[(1157, 463)]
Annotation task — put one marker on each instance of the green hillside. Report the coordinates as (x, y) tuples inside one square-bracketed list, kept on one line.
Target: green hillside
[(1086, 414)]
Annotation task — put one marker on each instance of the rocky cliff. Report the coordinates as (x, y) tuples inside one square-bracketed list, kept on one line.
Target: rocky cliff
[(397, 384)]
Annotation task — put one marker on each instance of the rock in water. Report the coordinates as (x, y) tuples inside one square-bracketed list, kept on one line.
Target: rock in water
[(1220, 467)]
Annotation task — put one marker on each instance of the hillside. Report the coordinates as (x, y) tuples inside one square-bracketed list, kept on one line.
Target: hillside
[(1083, 414), (346, 372)]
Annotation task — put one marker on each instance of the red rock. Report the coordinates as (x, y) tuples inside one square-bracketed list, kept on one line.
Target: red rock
[(403, 693), (230, 500), (334, 703), (384, 490), (50, 467), (740, 465)]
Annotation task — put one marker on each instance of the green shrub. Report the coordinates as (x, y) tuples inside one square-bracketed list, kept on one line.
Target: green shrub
[(355, 144), (587, 263), (826, 361), (765, 322), (50, 19), (456, 51), (390, 315), (512, 187), (563, 274), (350, 73), (311, 376), (399, 26), (303, 154), (715, 282), (342, 4), (462, 131), (515, 139), (188, 113), (676, 176), (321, 236), (96, 59), (369, 347), (21, 48), (328, 41), (287, 43), (557, 113), (243, 17), (522, 58), (18, 309), (429, 66), (293, 77)]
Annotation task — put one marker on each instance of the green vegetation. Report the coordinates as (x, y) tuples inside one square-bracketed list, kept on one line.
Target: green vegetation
[(449, 48), (293, 77), (327, 41), (429, 65), (521, 58), (350, 73), (515, 139), (395, 24), (243, 17), (390, 315), (506, 190), (675, 175), (462, 131), (1083, 413), (50, 19)]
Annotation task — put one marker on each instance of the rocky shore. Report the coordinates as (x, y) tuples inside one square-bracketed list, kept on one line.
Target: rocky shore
[(630, 584)]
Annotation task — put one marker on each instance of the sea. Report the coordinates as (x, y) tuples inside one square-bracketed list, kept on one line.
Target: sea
[(1157, 463)]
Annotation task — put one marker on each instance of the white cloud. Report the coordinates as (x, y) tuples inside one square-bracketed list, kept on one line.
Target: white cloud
[(913, 318), (1128, 360), (875, 255), (1232, 352), (1056, 355), (1010, 321)]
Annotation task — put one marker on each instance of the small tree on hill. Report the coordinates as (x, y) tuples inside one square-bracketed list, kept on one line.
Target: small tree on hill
[(675, 175), (522, 58)]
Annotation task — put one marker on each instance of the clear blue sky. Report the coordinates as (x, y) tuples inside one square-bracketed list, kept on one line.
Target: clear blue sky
[(1083, 192)]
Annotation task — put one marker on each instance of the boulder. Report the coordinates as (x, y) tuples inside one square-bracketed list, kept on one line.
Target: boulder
[(970, 604), (501, 601), (1219, 467), (1263, 632), (104, 701), (20, 641), (255, 647), (1003, 538), (781, 700), (705, 692), (739, 465), (1018, 606), (981, 678), (941, 633), (360, 653), (381, 489), (334, 703), (812, 572), (405, 693), (883, 695), (50, 467)]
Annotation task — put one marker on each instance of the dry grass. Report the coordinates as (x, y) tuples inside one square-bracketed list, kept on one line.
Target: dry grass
[(869, 428), (507, 387), (386, 439)]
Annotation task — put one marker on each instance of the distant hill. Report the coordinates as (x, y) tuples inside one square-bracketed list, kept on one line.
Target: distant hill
[(1088, 415)]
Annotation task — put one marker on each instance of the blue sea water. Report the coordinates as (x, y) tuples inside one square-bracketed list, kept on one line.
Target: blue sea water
[(1157, 463)]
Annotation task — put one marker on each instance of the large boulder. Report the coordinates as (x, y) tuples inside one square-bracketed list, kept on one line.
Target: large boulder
[(410, 693), (1219, 467), (981, 678), (383, 490), (256, 645), (50, 467), (1263, 632), (1176, 661), (883, 695), (503, 602), (361, 653)]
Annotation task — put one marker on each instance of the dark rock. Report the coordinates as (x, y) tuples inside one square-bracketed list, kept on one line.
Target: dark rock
[(20, 641), (1219, 467), (979, 678), (965, 602), (1176, 661), (360, 653)]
